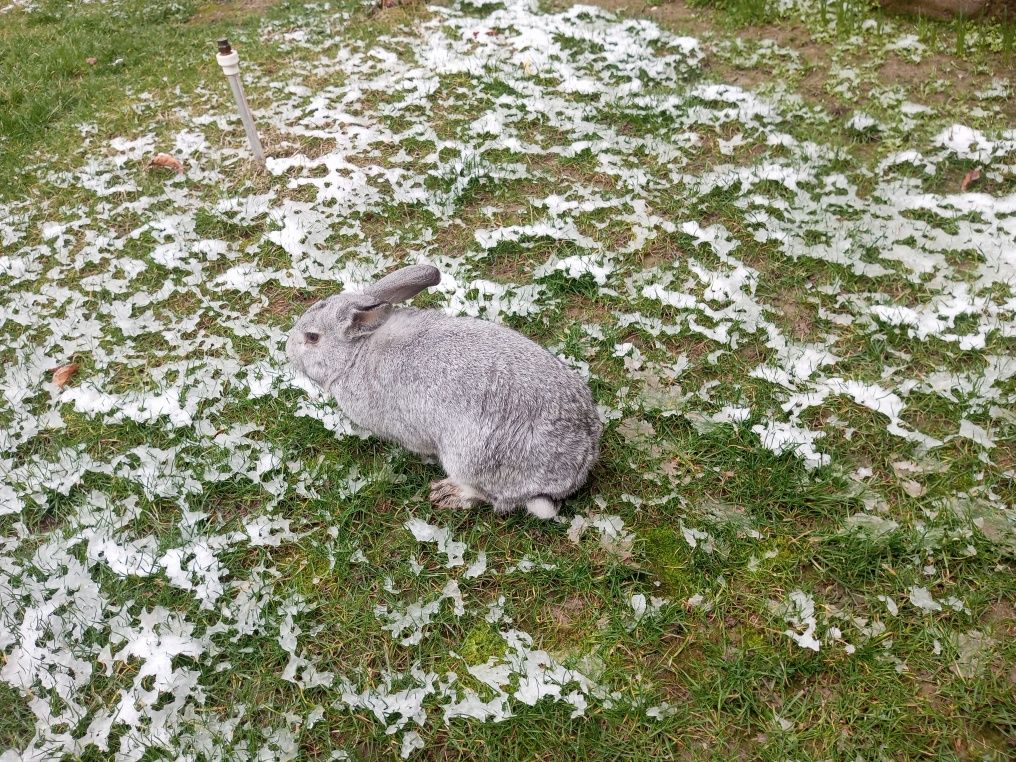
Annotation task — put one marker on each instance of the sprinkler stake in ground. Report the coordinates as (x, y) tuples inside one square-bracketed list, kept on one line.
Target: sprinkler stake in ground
[(229, 60)]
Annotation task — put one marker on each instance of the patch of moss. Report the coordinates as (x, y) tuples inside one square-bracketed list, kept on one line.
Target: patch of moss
[(670, 559), (482, 642)]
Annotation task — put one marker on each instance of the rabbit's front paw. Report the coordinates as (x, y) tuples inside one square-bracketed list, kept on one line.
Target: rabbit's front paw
[(448, 494)]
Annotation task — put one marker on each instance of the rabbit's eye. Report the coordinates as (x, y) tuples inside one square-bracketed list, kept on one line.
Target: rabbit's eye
[(312, 338)]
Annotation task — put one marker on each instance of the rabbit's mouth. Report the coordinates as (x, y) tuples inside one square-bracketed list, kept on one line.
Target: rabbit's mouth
[(299, 369), (302, 364), (293, 347)]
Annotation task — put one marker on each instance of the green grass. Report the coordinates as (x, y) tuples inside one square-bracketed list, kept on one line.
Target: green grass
[(723, 663), (47, 84), (17, 723)]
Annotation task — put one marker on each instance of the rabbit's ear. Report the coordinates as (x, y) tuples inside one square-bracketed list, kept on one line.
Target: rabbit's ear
[(367, 319), (405, 283)]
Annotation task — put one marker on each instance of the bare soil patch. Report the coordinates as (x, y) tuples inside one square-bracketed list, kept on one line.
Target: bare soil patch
[(217, 10)]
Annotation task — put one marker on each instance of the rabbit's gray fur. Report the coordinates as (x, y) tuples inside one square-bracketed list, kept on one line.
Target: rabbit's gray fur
[(510, 423)]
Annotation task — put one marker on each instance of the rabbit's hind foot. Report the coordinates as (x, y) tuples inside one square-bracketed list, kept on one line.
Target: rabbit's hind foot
[(449, 494)]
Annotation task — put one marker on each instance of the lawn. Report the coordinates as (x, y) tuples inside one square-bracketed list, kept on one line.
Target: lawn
[(778, 239)]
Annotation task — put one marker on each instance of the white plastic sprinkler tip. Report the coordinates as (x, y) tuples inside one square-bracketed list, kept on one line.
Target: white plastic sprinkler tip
[(230, 63)]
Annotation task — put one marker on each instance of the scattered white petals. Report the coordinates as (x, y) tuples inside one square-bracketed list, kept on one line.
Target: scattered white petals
[(442, 536), (799, 611), (890, 604), (922, 599)]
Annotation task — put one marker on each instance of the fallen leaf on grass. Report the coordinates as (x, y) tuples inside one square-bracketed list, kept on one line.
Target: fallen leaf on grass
[(973, 653), (63, 374), (912, 488), (970, 178), (91, 60), (927, 466), (165, 160)]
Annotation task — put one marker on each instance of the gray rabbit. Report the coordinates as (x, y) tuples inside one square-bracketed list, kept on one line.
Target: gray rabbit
[(510, 423)]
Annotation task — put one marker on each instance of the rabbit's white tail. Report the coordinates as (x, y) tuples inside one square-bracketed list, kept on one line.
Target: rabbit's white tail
[(542, 508)]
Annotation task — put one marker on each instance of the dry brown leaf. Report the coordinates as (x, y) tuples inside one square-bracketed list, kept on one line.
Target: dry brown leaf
[(63, 374), (165, 160), (91, 60), (970, 178)]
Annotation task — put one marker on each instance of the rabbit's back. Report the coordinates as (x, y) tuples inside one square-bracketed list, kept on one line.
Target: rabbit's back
[(479, 368)]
